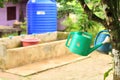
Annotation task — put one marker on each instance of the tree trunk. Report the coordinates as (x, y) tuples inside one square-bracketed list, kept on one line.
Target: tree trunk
[(116, 75), (116, 53), (115, 41)]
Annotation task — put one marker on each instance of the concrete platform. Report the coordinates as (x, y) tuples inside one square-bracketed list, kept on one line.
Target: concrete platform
[(92, 68), (13, 55), (44, 65)]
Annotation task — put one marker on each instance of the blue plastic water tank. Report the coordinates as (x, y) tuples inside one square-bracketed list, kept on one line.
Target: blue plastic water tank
[(41, 16), (100, 38)]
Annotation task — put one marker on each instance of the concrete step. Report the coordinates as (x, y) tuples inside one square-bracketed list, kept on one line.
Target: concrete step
[(45, 65)]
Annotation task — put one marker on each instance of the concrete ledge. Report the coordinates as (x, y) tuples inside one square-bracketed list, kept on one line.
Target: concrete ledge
[(15, 41), (25, 55)]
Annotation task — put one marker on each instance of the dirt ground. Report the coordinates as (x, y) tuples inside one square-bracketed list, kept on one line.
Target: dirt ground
[(92, 68)]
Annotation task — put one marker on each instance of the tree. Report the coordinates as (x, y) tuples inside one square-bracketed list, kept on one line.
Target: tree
[(111, 22), (80, 22)]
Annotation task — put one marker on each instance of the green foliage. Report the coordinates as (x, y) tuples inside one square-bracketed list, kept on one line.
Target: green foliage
[(64, 11), (24, 25), (65, 8), (96, 7), (70, 25), (94, 31), (83, 23), (106, 74), (63, 1), (14, 1), (1, 3)]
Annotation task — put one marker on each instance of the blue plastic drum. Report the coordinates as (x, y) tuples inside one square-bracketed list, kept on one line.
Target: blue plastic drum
[(100, 38), (41, 16)]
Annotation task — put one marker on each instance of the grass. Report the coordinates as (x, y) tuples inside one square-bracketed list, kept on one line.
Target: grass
[(12, 34)]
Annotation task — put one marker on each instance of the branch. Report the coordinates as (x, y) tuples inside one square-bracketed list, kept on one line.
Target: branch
[(90, 13)]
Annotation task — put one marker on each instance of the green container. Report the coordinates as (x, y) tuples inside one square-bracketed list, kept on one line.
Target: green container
[(80, 42)]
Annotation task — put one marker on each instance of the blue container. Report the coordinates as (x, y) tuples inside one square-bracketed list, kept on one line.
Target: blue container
[(100, 38), (41, 16)]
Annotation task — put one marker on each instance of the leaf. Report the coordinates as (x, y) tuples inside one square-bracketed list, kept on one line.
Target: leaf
[(106, 74)]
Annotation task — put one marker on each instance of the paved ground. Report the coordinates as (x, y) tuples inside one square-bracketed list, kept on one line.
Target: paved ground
[(92, 68)]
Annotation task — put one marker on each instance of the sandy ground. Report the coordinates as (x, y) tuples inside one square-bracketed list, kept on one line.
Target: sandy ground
[(92, 68)]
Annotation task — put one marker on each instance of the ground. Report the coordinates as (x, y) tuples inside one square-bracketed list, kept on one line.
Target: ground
[(92, 68)]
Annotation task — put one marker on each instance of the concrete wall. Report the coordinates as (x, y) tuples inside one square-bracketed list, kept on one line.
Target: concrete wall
[(15, 41), (26, 55), (49, 47)]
